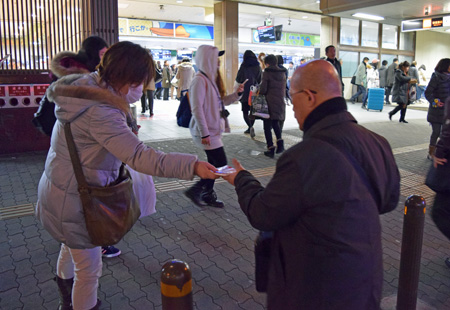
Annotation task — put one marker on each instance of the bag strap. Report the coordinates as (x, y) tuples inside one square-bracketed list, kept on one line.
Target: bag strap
[(82, 184)]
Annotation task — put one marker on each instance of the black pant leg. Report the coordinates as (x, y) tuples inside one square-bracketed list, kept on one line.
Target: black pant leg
[(276, 128), (150, 100), (217, 158), (143, 102), (268, 132), (436, 132)]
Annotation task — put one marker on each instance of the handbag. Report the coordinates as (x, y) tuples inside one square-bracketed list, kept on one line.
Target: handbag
[(184, 113), (44, 119), (259, 107), (353, 80), (438, 179), (174, 82), (110, 211)]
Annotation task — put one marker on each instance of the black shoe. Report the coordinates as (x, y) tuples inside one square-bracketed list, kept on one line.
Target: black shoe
[(65, 293), (280, 146), (210, 198), (447, 262), (403, 121), (110, 251), (363, 106), (270, 152), (390, 116), (252, 132), (151, 114), (194, 193), (247, 132), (352, 100)]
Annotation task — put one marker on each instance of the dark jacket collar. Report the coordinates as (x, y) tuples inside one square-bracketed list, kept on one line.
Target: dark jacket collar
[(330, 107)]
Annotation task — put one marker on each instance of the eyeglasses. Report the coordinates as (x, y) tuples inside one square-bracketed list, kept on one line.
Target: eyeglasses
[(303, 90)]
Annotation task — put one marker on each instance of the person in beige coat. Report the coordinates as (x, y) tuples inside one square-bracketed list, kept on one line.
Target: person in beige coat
[(97, 107)]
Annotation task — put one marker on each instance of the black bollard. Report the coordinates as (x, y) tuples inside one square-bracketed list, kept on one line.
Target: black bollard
[(413, 223), (176, 286)]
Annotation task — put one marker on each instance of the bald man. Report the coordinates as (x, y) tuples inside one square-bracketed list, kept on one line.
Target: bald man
[(323, 203)]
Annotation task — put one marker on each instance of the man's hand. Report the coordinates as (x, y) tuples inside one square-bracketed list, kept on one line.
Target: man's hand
[(438, 161), (237, 165), (205, 170), (206, 141)]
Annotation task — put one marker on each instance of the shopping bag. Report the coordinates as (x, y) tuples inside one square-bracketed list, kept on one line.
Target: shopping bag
[(144, 191), (259, 106)]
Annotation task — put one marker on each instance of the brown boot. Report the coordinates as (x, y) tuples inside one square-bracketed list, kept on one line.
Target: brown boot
[(431, 150)]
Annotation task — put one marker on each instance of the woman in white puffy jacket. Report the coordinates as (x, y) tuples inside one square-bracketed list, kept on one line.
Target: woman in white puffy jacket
[(97, 107)]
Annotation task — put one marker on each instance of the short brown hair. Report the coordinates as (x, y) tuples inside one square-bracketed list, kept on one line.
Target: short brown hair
[(126, 63), (442, 65)]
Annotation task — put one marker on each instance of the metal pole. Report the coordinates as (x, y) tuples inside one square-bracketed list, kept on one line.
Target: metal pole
[(411, 252), (176, 286)]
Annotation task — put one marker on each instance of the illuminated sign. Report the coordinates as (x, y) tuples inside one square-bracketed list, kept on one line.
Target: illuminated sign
[(426, 23)]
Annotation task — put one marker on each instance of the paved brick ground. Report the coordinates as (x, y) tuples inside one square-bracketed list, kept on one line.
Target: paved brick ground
[(217, 244)]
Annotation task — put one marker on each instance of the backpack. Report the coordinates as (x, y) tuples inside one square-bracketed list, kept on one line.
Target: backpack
[(44, 119), (184, 113)]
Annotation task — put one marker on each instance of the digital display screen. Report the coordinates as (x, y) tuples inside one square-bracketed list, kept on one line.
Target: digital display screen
[(266, 34)]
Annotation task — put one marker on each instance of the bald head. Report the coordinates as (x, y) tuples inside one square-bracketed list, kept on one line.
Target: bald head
[(311, 85), (318, 75)]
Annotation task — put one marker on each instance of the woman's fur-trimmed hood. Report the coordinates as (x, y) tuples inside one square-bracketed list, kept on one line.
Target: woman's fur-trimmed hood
[(74, 94), (59, 71)]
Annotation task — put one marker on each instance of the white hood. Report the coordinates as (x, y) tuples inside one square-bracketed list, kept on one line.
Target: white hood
[(206, 60)]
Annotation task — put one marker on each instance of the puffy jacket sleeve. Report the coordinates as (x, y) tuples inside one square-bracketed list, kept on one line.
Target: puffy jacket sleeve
[(240, 77), (431, 88), (108, 127), (197, 98), (227, 100)]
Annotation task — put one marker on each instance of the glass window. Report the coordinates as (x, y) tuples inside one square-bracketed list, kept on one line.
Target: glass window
[(349, 63), (369, 35), (371, 56), (349, 31), (388, 57), (389, 38), (402, 58), (406, 41)]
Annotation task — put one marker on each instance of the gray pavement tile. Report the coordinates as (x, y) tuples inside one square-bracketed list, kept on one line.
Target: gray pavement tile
[(4, 250), (23, 268), (27, 285), (240, 278), (204, 301), (33, 302), (44, 272), (153, 292), (9, 281), (10, 300), (132, 290), (119, 301), (217, 274), (109, 286), (236, 292), (142, 303), (210, 287), (225, 302), (252, 305), (20, 253)]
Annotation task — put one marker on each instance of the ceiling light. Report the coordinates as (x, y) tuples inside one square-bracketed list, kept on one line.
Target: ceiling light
[(304, 17), (268, 12), (123, 5), (318, 1), (179, 1), (368, 16)]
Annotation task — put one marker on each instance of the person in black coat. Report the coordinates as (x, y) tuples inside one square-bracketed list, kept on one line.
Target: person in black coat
[(437, 92), (390, 74), (330, 51), (273, 86), (323, 203), (400, 91), (250, 70)]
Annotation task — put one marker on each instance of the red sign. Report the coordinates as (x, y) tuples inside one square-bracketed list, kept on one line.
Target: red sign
[(2, 91), (21, 90), (39, 90)]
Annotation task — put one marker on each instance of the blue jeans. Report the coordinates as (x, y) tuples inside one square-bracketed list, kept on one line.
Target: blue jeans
[(361, 91)]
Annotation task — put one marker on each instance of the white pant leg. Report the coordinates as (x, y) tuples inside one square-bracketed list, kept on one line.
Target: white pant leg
[(88, 269), (65, 267)]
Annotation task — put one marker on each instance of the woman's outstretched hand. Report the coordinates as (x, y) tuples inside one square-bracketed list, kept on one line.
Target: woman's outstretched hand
[(205, 170), (438, 161), (230, 178)]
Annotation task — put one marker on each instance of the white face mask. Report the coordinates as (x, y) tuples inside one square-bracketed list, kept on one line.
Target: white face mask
[(134, 94)]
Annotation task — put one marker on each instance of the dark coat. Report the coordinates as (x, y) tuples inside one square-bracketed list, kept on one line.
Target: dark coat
[(273, 86), (166, 77), (438, 88), (391, 74), (326, 253), (383, 76), (337, 65), (401, 87), (253, 74), (443, 144)]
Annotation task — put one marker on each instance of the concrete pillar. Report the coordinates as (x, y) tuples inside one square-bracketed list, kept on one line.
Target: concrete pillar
[(329, 33), (226, 25)]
